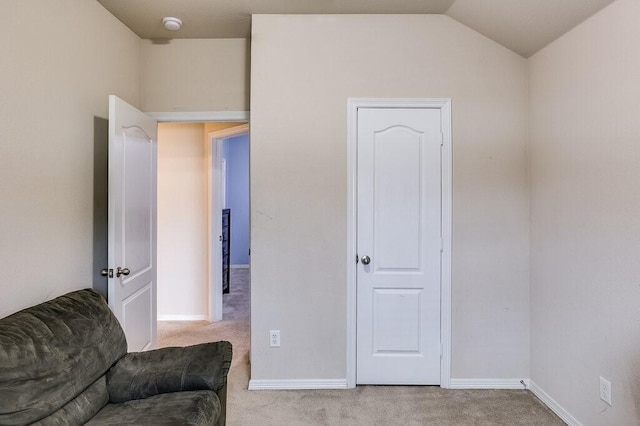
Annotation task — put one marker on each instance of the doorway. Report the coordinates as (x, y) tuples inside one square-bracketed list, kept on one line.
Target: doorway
[(194, 161), (399, 241), (184, 229), (229, 219)]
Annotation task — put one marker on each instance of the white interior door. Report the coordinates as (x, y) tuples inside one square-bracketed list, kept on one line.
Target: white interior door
[(133, 138), (399, 240)]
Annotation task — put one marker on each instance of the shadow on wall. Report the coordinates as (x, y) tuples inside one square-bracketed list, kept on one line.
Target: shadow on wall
[(100, 202)]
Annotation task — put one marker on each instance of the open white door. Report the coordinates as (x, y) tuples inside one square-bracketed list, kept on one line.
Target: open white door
[(132, 269)]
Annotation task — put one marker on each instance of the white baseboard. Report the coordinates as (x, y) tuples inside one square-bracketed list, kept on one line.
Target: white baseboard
[(297, 384), (553, 405), (489, 384), (183, 318), (239, 266)]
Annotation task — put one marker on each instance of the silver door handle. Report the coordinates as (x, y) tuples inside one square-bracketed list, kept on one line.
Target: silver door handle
[(122, 271), (365, 260)]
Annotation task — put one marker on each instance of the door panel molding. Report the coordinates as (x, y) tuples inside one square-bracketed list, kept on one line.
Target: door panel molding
[(444, 105)]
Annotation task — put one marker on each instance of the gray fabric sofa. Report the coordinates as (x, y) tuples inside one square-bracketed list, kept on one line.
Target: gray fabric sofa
[(65, 362)]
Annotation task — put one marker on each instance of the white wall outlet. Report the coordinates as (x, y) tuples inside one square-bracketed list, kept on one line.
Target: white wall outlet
[(605, 390), (274, 338)]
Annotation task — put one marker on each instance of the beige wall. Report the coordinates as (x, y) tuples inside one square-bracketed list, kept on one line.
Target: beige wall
[(183, 280), (303, 70), (195, 75), (585, 227), (60, 61)]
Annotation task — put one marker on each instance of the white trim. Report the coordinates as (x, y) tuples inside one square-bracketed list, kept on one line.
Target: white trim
[(200, 116), (214, 214), (488, 384), (447, 236), (553, 405), (447, 160), (230, 131), (182, 318), (239, 266), (352, 202), (214, 228), (297, 384)]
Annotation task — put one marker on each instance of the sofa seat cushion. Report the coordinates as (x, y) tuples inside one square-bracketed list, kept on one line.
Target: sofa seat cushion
[(178, 408)]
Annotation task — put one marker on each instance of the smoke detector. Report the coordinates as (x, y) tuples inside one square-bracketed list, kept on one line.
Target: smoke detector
[(171, 23)]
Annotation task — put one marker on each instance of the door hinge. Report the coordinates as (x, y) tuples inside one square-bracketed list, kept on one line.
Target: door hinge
[(441, 245), (440, 350), (441, 139)]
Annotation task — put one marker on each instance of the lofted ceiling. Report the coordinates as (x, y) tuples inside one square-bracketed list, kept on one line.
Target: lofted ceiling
[(524, 26)]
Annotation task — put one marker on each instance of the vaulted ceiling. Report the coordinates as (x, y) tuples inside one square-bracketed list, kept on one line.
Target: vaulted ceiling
[(524, 26)]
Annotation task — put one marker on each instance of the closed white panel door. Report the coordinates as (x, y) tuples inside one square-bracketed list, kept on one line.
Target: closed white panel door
[(133, 139), (399, 245)]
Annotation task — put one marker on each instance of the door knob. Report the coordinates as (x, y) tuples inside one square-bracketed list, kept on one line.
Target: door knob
[(365, 260), (122, 271)]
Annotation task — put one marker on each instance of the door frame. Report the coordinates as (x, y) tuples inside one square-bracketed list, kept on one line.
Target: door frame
[(444, 104), (214, 213), (206, 117)]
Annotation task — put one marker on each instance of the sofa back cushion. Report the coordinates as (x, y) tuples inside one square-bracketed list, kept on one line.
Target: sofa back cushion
[(52, 352)]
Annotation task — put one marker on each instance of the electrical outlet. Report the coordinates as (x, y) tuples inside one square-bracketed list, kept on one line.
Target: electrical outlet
[(605, 390), (274, 338)]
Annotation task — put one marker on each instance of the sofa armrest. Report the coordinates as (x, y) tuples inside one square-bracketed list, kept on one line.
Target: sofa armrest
[(140, 375)]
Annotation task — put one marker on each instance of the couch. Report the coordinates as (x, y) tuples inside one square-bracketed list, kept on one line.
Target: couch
[(65, 362)]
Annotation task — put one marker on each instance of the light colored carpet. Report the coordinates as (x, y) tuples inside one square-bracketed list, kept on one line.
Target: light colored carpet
[(365, 405)]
